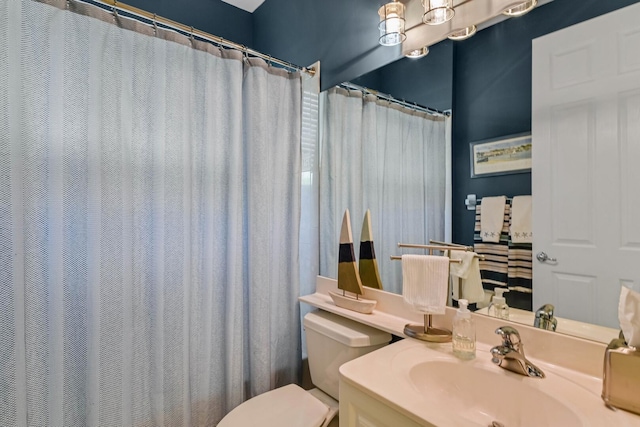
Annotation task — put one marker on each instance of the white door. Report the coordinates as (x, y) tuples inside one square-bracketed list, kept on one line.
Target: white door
[(586, 165)]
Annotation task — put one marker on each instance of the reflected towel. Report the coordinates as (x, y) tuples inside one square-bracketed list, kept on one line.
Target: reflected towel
[(492, 218), (465, 277), (520, 229), (425, 282)]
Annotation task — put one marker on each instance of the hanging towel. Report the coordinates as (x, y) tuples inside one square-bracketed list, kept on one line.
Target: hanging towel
[(520, 272), (425, 282), (465, 277), (521, 230), (493, 269), (461, 269), (492, 218)]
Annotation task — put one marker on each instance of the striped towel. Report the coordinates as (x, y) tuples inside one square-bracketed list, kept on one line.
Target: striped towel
[(521, 211), (520, 267), (506, 264), (491, 218), (494, 268)]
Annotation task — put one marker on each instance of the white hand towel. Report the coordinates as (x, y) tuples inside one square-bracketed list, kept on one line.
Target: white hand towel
[(461, 269), (521, 211), (465, 277), (425, 282), (492, 218)]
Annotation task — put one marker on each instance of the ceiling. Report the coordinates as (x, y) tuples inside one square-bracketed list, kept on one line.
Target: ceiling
[(248, 5)]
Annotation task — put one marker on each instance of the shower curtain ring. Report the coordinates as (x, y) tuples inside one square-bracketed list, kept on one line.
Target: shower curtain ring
[(191, 35), (245, 53), (155, 25), (115, 8)]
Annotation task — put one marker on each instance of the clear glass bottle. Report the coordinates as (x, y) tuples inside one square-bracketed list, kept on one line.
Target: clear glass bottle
[(498, 307), (464, 332)]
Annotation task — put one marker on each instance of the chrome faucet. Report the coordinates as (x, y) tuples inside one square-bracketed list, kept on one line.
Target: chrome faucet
[(545, 319), (510, 355)]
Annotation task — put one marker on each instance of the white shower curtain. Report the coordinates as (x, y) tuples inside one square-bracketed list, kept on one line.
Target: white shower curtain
[(391, 160), (149, 214)]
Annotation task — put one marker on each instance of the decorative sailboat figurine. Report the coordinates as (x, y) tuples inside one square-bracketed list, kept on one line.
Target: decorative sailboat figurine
[(368, 264), (348, 276)]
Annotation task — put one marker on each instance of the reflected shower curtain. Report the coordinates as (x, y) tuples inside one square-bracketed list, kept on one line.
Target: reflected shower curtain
[(391, 160), (149, 212)]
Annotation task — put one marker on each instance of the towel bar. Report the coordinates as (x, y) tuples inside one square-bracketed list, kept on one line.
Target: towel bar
[(397, 257)]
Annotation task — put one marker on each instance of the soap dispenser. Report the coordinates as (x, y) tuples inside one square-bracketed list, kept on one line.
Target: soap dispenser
[(464, 332), (498, 307)]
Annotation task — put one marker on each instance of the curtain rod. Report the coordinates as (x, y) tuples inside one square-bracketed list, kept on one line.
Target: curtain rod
[(115, 6), (380, 95)]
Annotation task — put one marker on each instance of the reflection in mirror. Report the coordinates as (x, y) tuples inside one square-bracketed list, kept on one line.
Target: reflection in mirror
[(564, 326), (485, 80), (389, 159)]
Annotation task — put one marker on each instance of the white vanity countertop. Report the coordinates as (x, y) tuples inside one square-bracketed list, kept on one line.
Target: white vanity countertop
[(386, 375), (392, 314)]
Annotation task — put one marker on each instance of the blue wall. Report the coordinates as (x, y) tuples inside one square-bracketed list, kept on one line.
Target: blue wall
[(492, 95), (486, 81), (342, 34), (431, 78), (212, 16)]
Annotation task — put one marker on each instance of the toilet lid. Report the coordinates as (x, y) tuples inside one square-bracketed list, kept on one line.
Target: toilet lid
[(290, 405)]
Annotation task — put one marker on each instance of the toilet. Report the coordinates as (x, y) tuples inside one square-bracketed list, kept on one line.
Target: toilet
[(332, 340)]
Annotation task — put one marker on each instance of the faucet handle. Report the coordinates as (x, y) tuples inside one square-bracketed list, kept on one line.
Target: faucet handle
[(545, 312), (544, 318), (510, 336)]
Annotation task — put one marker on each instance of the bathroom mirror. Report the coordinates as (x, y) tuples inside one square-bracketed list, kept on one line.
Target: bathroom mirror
[(490, 92)]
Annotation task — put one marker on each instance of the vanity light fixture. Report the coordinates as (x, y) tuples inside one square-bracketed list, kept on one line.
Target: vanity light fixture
[(391, 24), (463, 34), (437, 12), (520, 9), (418, 53)]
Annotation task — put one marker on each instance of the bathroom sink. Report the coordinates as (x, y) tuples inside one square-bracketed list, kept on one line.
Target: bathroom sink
[(484, 395), (426, 384)]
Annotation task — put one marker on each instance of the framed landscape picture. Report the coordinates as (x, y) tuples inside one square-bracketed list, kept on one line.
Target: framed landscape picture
[(511, 154)]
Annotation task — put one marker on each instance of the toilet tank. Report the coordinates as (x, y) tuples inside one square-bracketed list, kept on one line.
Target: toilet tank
[(333, 340)]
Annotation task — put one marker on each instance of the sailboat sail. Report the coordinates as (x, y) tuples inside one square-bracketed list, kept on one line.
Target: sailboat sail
[(348, 276), (368, 264)]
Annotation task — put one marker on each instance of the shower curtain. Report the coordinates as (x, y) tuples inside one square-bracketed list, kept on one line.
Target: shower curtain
[(149, 214), (386, 158)]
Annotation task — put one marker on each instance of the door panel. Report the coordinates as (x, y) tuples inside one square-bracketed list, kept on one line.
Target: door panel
[(629, 116), (628, 42), (572, 157), (573, 66), (586, 157), (570, 285)]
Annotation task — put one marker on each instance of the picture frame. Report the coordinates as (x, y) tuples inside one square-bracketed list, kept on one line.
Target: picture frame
[(501, 156)]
